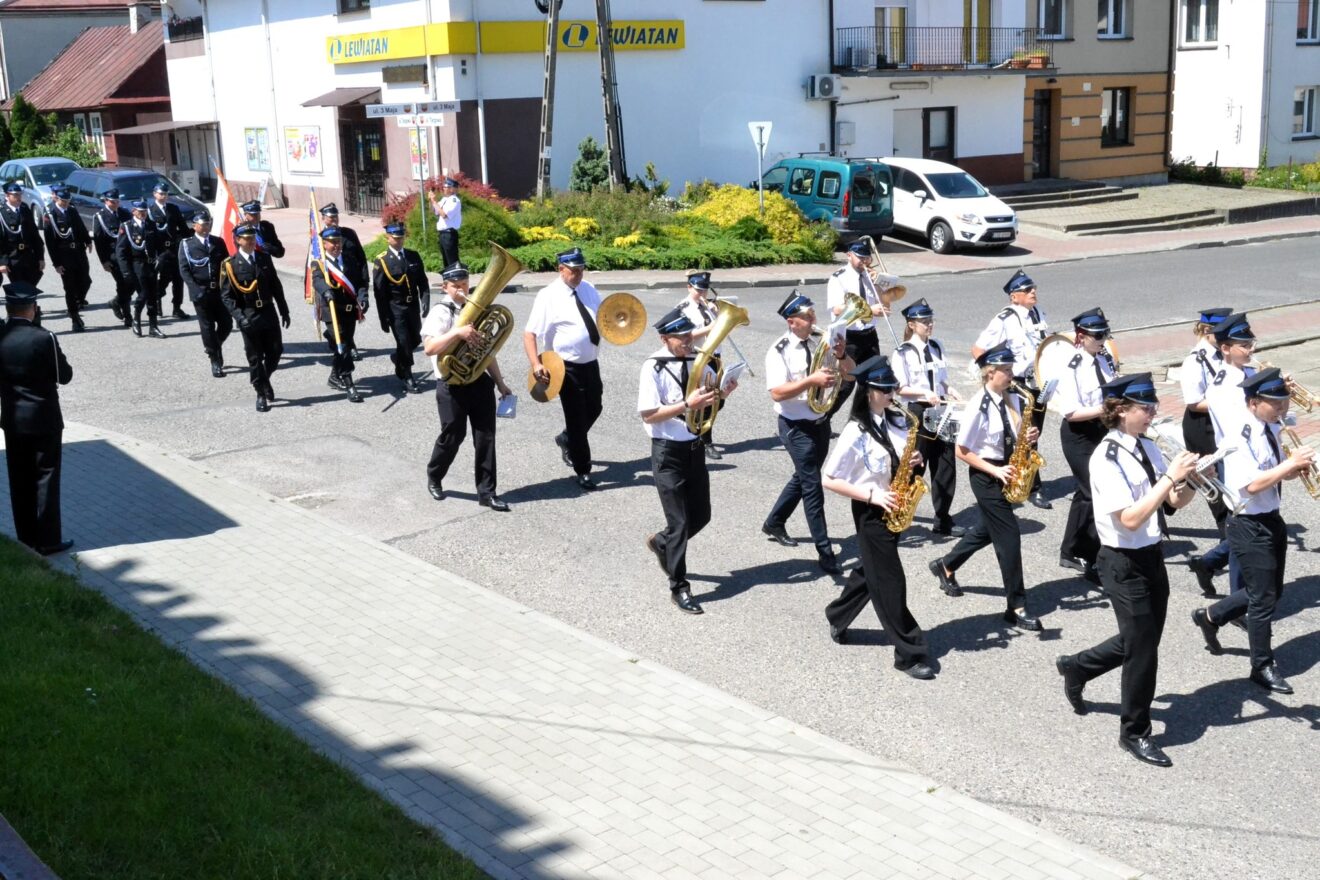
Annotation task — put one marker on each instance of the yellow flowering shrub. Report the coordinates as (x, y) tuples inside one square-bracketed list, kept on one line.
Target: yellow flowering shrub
[(628, 240), (730, 203), (582, 227), (541, 233)]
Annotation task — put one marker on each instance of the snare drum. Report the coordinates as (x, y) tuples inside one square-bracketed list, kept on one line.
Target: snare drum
[(941, 422)]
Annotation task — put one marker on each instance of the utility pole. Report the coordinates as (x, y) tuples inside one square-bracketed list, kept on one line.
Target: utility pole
[(548, 99), (610, 90)]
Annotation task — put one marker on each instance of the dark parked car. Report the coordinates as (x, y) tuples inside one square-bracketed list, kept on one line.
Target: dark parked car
[(87, 184)]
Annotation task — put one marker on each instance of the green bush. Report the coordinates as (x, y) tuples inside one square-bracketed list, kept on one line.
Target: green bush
[(483, 222), (1187, 171), (1305, 178), (618, 213), (750, 229)]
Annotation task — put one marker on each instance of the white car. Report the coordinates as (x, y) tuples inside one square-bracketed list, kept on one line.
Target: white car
[(948, 207)]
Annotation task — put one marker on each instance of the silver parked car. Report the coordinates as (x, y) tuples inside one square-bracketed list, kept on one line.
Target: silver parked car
[(38, 175)]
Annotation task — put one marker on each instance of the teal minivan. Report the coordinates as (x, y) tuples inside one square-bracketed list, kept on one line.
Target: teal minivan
[(855, 196)]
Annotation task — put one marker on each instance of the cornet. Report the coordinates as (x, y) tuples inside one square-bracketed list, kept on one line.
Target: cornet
[(1300, 395), (1203, 478), (1311, 476)]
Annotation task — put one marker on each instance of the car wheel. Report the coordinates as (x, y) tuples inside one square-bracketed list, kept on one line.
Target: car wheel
[(941, 237)]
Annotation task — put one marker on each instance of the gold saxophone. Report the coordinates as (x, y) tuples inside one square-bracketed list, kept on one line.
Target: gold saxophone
[(821, 400), (727, 316), (467, 361), (1025, 459), (908, 488)]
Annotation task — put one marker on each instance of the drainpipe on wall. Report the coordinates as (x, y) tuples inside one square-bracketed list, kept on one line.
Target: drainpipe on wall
[(1269, 83), (1168, 80), (834, 113)]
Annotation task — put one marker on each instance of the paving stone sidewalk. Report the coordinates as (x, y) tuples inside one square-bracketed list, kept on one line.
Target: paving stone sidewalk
[(533, 747)]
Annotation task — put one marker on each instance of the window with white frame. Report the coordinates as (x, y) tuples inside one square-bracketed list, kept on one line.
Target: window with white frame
[(1200, 22), (1111, 19), (1051, 17), (1308, 21), (1115, 118), (1304, 101)]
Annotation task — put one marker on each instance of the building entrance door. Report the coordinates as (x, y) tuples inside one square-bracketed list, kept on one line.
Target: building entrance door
[(362, 146), (937, 134), (1042, 133)]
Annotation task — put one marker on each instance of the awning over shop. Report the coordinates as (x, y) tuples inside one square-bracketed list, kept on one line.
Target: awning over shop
[(341, 97), (154, 127)]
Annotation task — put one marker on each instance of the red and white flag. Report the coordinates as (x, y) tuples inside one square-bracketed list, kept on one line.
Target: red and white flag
[(228, 210)]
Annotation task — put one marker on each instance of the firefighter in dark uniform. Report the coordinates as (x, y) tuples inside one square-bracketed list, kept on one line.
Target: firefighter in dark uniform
[(136, 251), (105, 235), (336, 279), (201, 261), (268, 241), (21, 250), (353, 254), (249, 290), (67, 244), (32, 368), (171, 229), (400, 279)]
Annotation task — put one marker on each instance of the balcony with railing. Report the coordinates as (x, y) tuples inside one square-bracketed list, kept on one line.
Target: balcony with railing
[(179, 30), (900, 50)]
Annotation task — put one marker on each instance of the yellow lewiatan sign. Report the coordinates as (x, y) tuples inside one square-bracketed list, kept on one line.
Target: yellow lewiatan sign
[(498, 37)]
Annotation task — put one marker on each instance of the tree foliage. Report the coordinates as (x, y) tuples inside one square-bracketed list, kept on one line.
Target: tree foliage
[(26, 125), (591, 170)]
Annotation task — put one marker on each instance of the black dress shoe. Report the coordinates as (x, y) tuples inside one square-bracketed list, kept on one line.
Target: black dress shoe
[(137, 328), (216, 371), (829, 565), (354, 396), (1269, 678), (262, 404), (1072, 683), (411, 386), (779, 535), (436, 492), (335, 382), (1038, 500), (916, 669), (949, 530), (78, 325), (1209, 630), (1205, 578), (116, 310), (838, 634), (562, 442), (712, 453), (1078, 565), (585, 481), (181, 314), (1144, 750), (356, 355), (659, 554), (494, 502), (683, 599), (1022, 620), (156, 332), (270, 392), (65, 545), (948, 583)]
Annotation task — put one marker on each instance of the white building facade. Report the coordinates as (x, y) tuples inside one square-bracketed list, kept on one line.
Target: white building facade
[(1247, 82), (288, 82)]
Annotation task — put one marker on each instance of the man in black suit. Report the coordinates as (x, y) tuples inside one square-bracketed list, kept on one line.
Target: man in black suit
[(22, 255), (136, 251), (201, 261), (105, 235), (67, 243), (344, 302), (353, 253), (252, 294), (31, 369), (268, 242), (400, 284), (171, 228)]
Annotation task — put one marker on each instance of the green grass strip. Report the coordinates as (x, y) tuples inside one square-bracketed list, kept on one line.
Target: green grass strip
[(119, 758)]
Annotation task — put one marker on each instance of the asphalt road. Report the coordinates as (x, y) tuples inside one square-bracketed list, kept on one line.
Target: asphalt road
[(1242, 798)]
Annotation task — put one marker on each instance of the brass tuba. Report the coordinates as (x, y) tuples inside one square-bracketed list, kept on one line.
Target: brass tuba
[(907, 487), (727, 316), (1025, 458), (466, 361), (821, 400)]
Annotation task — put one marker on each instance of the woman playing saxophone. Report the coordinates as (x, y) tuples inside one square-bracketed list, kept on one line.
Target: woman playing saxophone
[(860, 468)]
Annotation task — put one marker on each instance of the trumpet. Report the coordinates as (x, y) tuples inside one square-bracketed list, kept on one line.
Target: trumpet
[(1300, 395), (1311, 476), (1203, 478)]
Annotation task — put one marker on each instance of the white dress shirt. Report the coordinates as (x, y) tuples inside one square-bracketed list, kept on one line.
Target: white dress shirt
[(453, 216), (558, 324), (1117, 482), (1079, 386), (982, 429), (849, 280), (1243, 466), (440, 320), (701, 314), (859, 459), (789, 360), (913, 370), (660, 385), (1022, 328), (1227, 401), (1198, 371)]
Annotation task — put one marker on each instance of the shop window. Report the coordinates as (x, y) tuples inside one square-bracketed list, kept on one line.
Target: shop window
[(1051, 18), (1304, 101), (1308, 21), (1111, 19), (1115, 118), (354, 5), (1200, 22), (802, 181)]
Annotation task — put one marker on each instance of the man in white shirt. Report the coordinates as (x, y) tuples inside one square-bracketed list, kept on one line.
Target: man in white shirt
[(563, 320), (677, 460), (863, 342), (449, 219)]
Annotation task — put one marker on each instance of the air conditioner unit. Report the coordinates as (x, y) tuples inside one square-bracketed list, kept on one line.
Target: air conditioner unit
[(823, 87)]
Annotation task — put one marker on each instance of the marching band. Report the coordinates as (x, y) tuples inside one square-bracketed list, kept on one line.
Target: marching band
[(906, 421)]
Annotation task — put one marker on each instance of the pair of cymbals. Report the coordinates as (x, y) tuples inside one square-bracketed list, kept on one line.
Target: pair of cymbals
[(621, 320)]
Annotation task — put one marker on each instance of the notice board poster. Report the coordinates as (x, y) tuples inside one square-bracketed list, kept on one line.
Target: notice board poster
[(257, 141), (302, 149)]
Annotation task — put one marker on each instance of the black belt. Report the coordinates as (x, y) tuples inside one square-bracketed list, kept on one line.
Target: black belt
[(997, 462), (676, 444), (805, 423), (863, 332)]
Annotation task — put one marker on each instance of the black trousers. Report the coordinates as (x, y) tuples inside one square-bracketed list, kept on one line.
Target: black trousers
[(23, 267), (215, 322), (1260, 543), (77, 280), (808, 444), (580, 398), (883, 584), (449, 246), (458, 405), (1138, 587), (33, 462), (405, 320), (998, 526), (1199, 437), (940, 462), (143, 279), (263, 344), (858, 345), (123, 288), (1037, 422), (681, 479), (167, 273), (1079, 440), (341, 364)]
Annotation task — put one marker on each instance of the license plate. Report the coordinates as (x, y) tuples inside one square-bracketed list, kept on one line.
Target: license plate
[(1000, 235), (863, 209)]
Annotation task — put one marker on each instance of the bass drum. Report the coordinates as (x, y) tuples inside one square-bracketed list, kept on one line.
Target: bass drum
[(1052, 358)]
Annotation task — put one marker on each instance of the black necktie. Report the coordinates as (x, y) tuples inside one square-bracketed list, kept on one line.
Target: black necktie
[(1009, 440), (592, 330), (1150, 475), (683, 376), (888, 444), (1099, 373), (1278, 454), (930, 370)]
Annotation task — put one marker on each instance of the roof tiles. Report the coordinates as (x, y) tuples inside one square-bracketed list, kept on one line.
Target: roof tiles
[(93, 67)]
